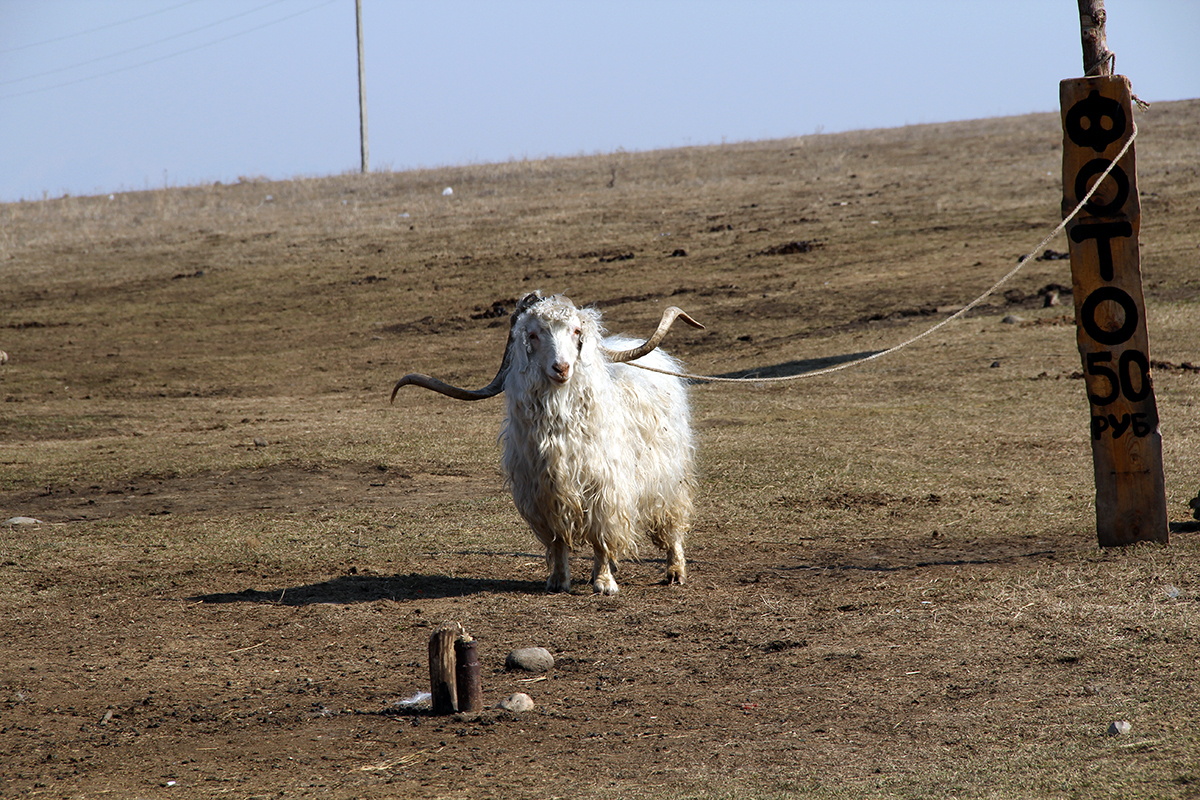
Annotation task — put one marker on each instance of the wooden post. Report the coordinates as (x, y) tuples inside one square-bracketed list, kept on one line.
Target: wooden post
[(442, 680), (362, 91), (1097, 58), (470, 690), (1110, 311)]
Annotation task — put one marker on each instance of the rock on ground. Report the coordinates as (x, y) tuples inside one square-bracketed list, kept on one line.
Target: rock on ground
[(529, 659), (1119, 728), (517, 702)]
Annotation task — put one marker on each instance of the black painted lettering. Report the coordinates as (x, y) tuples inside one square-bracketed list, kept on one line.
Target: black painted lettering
[(1119, 425), (1142, 426), (1095, 362), (1130, 359), (1103, 233), (1139, 423), (1091, 170), (1095, 122), (1092, 327)]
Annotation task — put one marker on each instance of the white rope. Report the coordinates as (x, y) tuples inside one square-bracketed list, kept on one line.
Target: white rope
[(956, 315)]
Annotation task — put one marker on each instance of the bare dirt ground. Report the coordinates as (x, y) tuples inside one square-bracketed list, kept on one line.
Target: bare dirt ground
[(894, 586)]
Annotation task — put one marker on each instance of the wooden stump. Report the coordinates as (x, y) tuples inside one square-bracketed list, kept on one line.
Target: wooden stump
[(442, 679)]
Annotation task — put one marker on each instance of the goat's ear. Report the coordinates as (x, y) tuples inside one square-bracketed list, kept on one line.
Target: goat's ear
[(589, 324), (518, 349), (525, 332)]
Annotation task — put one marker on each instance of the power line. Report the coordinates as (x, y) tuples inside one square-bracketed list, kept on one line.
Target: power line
[(169, 55), (140, 46), (96, 30)]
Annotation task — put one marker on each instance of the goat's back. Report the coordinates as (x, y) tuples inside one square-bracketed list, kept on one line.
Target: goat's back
[(660, 406)]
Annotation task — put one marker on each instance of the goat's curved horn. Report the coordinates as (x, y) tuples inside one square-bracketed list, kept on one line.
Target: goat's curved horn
[(645, 347), (458, 393), (492, 389)]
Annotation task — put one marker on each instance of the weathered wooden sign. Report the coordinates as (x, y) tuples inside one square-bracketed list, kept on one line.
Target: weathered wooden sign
[(1110, 311)]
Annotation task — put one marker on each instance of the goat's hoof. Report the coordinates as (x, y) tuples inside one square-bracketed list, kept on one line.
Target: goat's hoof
[(558, 585), (676, 576), (605, 587)]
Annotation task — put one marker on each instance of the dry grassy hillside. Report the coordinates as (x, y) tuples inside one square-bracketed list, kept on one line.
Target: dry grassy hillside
[(895, 589)]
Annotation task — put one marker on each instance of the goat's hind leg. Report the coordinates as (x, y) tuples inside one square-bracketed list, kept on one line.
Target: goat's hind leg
[(558, 559), (669, 537)]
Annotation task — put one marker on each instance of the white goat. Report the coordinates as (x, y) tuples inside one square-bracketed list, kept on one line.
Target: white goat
[(594, 449)]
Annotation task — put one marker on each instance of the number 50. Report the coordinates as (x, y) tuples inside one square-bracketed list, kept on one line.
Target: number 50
[(1120, 381)]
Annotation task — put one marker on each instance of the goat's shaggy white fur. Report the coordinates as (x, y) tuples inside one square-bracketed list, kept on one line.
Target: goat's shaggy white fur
[(594, 450)]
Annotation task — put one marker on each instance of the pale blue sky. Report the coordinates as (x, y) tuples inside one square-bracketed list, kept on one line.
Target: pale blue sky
[(99, 96)]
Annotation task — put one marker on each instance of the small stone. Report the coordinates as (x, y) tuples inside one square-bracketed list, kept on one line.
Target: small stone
[(1011, 319), (22, 521), (517, 703), (260, 442), (529, 659), (1119, 727)]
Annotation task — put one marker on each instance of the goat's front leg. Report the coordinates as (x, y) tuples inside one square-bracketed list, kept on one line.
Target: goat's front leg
[(559, 561), (603, 581)]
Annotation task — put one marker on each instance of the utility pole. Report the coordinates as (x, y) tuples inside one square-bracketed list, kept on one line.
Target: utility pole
[(362, 92)]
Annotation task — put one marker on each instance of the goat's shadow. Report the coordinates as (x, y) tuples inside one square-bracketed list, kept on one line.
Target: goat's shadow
[(349, 589), (354, 588), (792, 369)]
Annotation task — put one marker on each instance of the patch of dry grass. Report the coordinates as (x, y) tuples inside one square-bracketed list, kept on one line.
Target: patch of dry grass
[(896, 590)]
